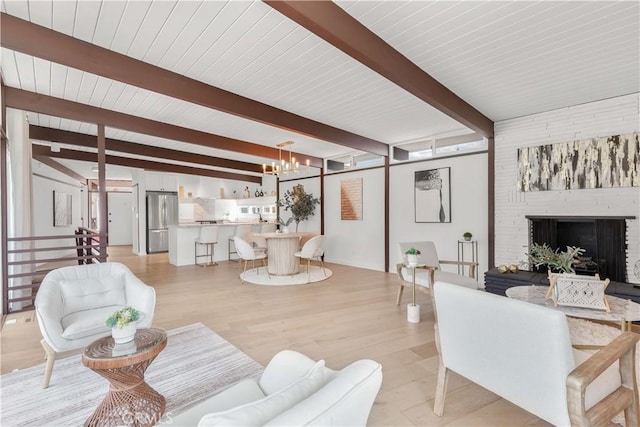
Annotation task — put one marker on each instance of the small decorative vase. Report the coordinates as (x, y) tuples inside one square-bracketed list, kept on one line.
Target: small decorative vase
[(124, 335), (412, 259)]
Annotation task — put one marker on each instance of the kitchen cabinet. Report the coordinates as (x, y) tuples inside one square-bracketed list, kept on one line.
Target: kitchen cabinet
[(161, 182)]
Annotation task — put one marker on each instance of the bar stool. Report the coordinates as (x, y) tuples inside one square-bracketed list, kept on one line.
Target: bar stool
[(241, 232), (208, 237)]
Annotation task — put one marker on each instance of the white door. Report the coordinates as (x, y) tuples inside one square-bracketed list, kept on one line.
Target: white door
[(120, 223)]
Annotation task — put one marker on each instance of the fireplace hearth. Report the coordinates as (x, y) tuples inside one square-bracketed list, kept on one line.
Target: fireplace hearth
[(602, 238)]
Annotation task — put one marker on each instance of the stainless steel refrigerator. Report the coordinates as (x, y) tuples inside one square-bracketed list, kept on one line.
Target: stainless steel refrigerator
[(162, 211)]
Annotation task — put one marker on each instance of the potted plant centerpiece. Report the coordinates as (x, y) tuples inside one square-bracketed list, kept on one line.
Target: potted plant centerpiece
[(542, 257), (412, 256), (301, 204), (123, 324)]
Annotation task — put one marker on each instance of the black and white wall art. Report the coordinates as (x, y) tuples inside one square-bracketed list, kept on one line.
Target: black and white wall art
[(62, 208), (606, 162), (433, 195)]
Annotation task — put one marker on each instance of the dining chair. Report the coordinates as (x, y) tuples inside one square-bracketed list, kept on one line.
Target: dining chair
[(241, 232), (208, 237), (313, 249), (246, 253)]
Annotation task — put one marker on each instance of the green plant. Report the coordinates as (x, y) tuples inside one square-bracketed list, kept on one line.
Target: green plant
[(285, 223), (302, 205), (412, 251), (467, 235), (123, 317), (562, 261)]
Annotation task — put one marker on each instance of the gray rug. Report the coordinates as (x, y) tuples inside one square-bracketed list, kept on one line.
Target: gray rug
[(197, 363)]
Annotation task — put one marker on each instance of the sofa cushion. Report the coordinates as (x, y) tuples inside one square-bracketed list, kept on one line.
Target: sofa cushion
[(87, 322), (261, 411), (340, 399), (284, 369), (244, 392), (90, 293)]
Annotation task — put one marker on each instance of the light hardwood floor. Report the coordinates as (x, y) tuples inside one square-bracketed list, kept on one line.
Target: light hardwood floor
[(350, 316)]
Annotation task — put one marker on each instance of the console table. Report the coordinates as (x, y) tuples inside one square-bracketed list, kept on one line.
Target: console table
[(497, 283)]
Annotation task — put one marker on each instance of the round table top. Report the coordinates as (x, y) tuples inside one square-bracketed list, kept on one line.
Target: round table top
[(621, 309), (148, 342)]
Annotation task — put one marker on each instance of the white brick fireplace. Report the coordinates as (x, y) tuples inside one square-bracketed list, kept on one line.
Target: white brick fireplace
[(613, 116)]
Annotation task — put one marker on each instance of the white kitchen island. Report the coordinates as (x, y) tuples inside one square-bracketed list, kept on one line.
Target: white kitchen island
[(182, 241)]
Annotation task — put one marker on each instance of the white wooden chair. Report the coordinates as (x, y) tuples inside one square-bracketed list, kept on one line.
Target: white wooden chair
[(425, 278)]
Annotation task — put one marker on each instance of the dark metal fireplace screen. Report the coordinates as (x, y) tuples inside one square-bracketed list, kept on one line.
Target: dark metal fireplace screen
[(602, 238)]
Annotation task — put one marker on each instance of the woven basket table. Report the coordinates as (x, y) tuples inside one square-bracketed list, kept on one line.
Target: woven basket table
[(130, 400)]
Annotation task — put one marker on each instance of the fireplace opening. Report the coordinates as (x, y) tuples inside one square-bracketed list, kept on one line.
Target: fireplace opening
[(602, 238)]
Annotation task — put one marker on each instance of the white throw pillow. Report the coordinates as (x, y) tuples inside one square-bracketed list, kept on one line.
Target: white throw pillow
[(88, 294), (261, 411), (86, 323)]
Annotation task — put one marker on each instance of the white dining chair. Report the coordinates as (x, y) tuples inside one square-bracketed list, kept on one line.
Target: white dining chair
[(313, 249), (241, 232), (208, 237), (246, 253)]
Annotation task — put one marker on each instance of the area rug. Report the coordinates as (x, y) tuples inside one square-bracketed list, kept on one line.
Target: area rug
[(261, 278), (197, 363)]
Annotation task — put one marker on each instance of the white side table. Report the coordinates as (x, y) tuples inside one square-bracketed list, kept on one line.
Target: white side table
[(413, 309), (474, 254)]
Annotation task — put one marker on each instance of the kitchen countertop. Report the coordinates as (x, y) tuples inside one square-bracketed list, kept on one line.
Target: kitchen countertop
[(227, 224)]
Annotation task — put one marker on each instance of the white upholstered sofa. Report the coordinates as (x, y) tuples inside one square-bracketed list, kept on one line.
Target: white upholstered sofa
[(292, 391), (523, 353), (73, 303)]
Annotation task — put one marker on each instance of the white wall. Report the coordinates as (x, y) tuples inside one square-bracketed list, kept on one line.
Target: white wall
[(43, 189), (469, 204), (311, 186), (597, 119), (356, 243)]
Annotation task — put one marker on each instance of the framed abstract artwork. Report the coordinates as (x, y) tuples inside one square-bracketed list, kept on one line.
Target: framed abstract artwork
[(62, 209), (432, 195), (351, 199)]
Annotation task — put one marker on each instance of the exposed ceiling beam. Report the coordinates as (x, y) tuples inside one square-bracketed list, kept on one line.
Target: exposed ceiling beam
[(31, 39), (333, 24), (39, 150), (61, 168), (37, 103), (83, 140)]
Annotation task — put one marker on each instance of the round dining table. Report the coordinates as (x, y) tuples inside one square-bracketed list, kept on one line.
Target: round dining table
[(281, 249)]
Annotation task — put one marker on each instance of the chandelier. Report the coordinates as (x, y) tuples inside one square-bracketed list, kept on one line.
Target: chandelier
[(283, 167)]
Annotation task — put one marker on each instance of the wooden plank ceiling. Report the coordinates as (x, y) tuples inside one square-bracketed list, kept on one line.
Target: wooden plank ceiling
[(230, 80)]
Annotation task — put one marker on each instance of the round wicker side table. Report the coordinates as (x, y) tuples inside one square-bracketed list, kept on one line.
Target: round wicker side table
[(130, 400)]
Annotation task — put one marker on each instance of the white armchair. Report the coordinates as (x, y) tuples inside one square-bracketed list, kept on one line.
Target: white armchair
[(522, 352), (425, 278), (73, 303)]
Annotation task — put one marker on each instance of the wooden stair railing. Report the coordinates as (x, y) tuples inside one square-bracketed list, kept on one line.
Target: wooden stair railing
[(27, 266)]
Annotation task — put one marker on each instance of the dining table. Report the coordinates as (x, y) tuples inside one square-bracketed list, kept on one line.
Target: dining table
[(281, 249)]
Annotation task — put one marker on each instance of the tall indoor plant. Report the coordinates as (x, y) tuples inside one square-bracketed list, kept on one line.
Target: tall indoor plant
[(302, 205)]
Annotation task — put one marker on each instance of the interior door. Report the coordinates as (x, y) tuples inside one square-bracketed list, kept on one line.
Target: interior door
[(120, 218)]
